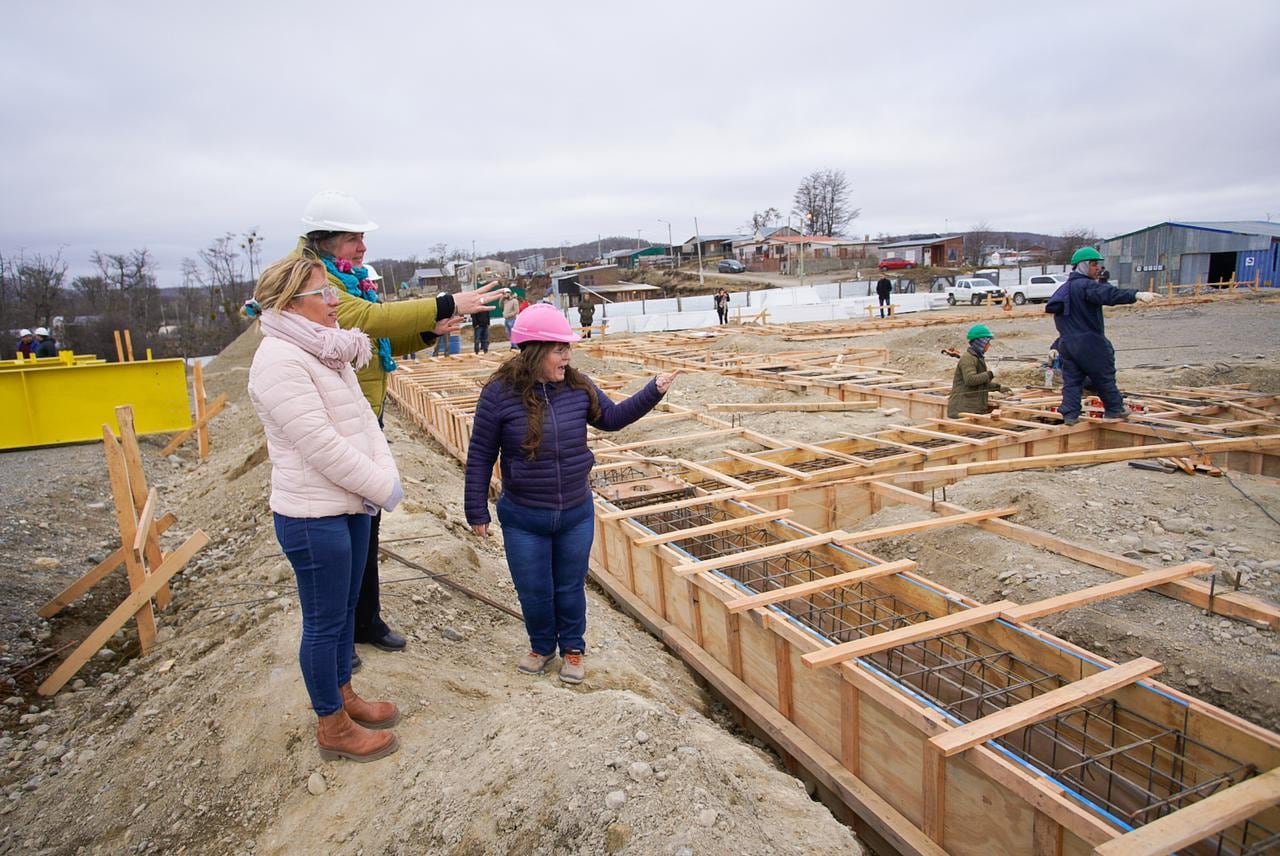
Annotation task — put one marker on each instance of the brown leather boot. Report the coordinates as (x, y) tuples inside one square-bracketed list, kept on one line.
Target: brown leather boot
[(370, 714), (339, 737)]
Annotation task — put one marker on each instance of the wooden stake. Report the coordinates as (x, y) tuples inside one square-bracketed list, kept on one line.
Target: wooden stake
[(119, 347), (138, 490), (128, 522), (128, 344), (202, 433), (178, 439)]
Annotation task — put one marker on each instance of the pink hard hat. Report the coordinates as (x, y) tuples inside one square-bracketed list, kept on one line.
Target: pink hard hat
[(542, 322)]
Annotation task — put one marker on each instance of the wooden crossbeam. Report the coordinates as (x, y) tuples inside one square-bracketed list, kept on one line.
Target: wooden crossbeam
[(68, 595), (769, 465), (138, 599), (145, 520), (848, 578), (1115, 588), (926, 525), (1043, 706), (882, 442), (1232, 604), (691, 502), (1198, 820), (905, 635), (757, 554), (792, 406), (201, 424), (678, 438), (711, 528), (940, 435)]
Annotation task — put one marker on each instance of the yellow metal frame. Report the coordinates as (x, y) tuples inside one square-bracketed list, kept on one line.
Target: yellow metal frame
[(50, 404)]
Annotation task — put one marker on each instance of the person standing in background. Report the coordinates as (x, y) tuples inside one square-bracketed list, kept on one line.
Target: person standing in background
[(480, 331), (510, 309), (45, 345), (884, 291), (586, 315), (722, 305)]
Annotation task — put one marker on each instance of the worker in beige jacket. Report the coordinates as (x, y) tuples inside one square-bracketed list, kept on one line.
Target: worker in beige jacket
[(331, 471)]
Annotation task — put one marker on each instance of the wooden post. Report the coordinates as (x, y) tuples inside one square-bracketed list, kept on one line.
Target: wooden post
[(197, 388), (128, 344), (126, 516), (119, 347), (138, 490)]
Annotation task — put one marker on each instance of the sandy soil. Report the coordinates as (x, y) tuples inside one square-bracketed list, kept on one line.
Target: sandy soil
[(206, 745)]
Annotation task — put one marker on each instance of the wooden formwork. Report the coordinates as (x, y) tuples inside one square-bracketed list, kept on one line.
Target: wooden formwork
[(923, 711)]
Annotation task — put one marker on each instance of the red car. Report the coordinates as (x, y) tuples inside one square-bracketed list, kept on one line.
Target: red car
[(896, 264)]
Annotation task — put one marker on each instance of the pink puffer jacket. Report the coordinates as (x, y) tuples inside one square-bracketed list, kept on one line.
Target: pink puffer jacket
[(327, 452)]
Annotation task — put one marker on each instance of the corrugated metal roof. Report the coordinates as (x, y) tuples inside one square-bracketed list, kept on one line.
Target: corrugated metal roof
[(1241, 227), (921, 242)]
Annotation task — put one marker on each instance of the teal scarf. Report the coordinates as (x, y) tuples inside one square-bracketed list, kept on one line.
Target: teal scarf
[(355, 281)]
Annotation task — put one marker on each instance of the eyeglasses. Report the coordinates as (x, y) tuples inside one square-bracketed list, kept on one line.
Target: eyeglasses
[(329, 293), (561, 350)]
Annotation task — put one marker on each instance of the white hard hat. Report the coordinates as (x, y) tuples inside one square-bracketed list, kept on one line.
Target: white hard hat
[(42, 331), (24, 332), (332, 211), (371, 273)]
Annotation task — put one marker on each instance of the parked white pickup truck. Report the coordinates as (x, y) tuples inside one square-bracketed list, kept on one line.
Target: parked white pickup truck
[(1036, 288), (973, 291)]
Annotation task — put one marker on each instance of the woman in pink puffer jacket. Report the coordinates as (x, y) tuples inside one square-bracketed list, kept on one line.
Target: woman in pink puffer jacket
[(330, 470)]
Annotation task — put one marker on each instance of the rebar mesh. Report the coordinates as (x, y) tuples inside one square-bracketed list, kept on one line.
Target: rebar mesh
[(604, 478), (656, 498), (1130, 766)]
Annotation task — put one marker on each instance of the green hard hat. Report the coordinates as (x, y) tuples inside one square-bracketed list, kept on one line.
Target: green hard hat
[(1085, 254), (980, 331)]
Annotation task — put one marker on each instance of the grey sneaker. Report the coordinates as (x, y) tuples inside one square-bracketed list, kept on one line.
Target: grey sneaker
[(571, 670), (1075, 420), (534, 663)]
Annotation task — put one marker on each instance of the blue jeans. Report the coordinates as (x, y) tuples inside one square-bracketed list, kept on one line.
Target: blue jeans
[(547, 553), (327, 554)]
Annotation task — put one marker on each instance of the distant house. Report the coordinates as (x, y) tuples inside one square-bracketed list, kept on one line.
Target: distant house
[(569, 285), (431, 279), (926, 250), (712, 246), (645, 257)]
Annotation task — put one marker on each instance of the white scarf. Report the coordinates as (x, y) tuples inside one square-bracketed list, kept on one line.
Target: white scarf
[(332, 346)]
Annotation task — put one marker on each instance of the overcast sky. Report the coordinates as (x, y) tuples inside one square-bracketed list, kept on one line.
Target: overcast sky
[(163, 125)]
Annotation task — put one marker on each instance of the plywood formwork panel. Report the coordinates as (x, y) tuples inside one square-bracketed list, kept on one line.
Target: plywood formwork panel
[(980, 817), (759, 667), (892, 759)]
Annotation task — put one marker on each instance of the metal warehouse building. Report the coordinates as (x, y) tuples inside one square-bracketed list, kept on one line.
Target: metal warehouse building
[(1184, 253)]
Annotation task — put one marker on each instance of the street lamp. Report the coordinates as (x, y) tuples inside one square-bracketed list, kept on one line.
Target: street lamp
[(671, 250)]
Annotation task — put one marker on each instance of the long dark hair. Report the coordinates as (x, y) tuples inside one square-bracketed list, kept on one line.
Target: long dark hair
[(520, 373)]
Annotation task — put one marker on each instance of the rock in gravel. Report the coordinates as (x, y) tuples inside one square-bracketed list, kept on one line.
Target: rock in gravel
[(105, 654), (1180, 525), (707, 818), (642, 737), (452, 635), (615, 800), (639, 771), (46, 562), (316, 784)]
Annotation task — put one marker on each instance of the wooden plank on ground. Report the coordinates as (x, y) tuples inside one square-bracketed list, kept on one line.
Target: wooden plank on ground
[(904, 635), (848, 578), (67, 596), (925, 525), (1115, 588), (139, 599), (1043, 706), (1198, 820), (781, 549), (712, 528)]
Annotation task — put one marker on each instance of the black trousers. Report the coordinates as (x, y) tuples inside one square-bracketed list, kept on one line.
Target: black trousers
[(723, 312), (884, 301), (369, 623)]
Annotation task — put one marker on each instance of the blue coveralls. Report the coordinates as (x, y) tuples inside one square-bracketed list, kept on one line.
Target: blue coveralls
[(1077, 313)]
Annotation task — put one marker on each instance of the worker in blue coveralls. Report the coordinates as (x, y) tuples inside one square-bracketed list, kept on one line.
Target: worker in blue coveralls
[(1076, 308)]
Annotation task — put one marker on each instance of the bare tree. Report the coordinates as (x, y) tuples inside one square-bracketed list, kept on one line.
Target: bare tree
[(223, 276), (39, 292), (761, 220), (822, 202), (977, 241), (251, 243), (1073, 239)]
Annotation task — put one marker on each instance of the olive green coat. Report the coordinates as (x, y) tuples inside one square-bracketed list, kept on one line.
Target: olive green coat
[(970, 386), (402, 322)]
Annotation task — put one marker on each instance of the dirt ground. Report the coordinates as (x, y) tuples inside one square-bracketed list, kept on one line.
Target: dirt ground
[(206, 745)]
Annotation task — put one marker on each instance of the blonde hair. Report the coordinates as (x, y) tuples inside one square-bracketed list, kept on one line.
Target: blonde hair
[(281, 281)]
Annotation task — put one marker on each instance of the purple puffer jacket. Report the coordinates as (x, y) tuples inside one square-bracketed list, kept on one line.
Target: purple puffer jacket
[(557, 476)]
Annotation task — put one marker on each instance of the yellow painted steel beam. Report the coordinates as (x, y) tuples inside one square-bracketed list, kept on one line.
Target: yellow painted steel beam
[(71, 403)]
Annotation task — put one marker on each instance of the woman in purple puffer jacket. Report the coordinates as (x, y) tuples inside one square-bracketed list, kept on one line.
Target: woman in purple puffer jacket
[(533, 413)]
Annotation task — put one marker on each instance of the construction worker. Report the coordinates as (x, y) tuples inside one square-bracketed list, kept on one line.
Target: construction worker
[(973, 381), (45, 345), (1083, 347), (26, 343), (586, 315), (334, 225)]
